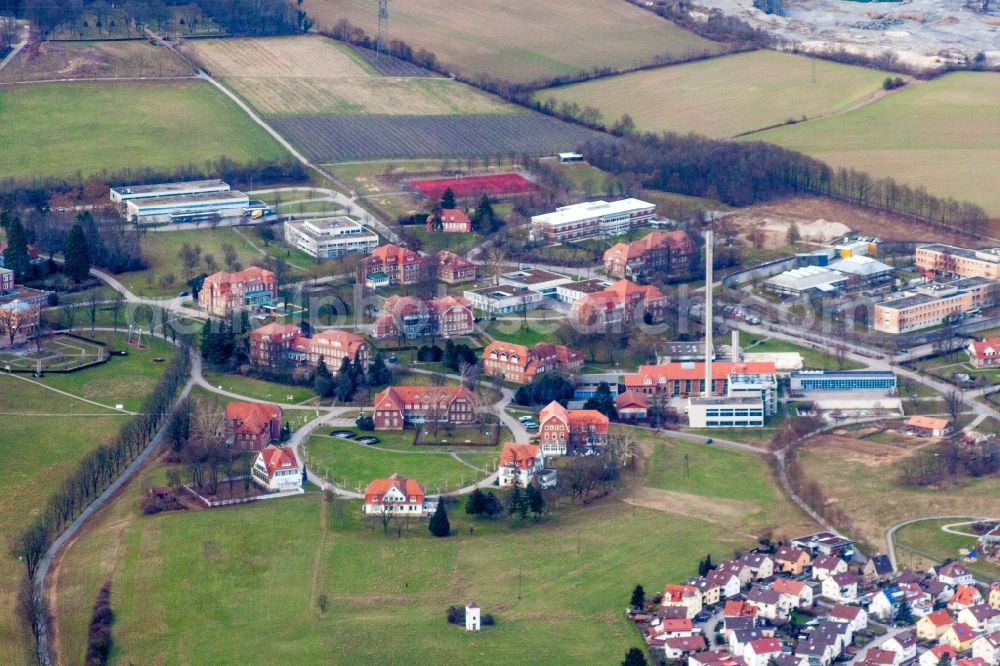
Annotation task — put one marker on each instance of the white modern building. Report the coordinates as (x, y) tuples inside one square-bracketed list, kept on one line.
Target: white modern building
[(591, 219), (808, 278), (189, 207), (190, 188), (726, 412), (535, 279), (331, 237), (760, 385), (503, 299), (571, 292)]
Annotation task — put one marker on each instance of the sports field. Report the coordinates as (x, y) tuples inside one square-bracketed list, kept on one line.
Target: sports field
[(63, 129), (523, 40), (941, 134), (253, 574), (61, 352), (726, 96), (315, 75)]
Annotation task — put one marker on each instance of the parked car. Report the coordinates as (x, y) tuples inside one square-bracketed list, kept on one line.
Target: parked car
[(182, 294), (393, 359), (524, 419), (531, 425)]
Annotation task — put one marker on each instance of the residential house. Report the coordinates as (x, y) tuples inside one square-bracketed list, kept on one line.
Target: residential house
[(449, 221), (686, 596), (825, 566), (736, 608), (248, 290), (680, 646), (792, 560), (855, 616), (934, 656), (971, 661), (994, 596), (623, 302), (932, 626), (409, 317), (959, 636), (903, 644), (275, 345), (672, 627), (760, 651), (519, 463), (277, 470), (522, 365), (769, 603), (877, 657), (884, 602), (631, 405), (739, 638), (953, 574), (390, 265), (984, 353), (666, 251), (987, 648), (710, 591), (980, 617), (838, 633), (727, 581), (251, 426), (453, 269), (395, 495), (719, 657), (738, 567), (878, 567), (398, 406), (965, 596), (761, 565), (929, 426), (937, 590), (566, 431), (842, 587), (800, 594), (821, 649), (825, 543)]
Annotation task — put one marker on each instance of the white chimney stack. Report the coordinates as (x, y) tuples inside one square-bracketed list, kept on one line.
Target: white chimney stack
[(737, 353), (709, 242)]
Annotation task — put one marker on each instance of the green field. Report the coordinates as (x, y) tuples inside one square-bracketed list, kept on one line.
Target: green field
[(257, 389), (726, 96), (519, 333), (182, 581), (927, 540), (45, 435), (815, 359), (354, 465), (66, 129), (937, 134), (520, 40)]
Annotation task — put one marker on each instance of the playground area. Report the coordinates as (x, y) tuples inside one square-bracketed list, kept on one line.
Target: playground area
[(61, 352)]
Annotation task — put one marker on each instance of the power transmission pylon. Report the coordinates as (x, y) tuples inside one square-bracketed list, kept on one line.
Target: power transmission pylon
[(382, 38)]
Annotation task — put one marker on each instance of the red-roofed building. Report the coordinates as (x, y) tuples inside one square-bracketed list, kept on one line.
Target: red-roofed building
[(934, 656), (959, 636), (398, 406), (396, 495), (738, 608), (621, 303), (688, 378), (684, 596), (759, 652), (224, 293), (521, 365), (877, 657), (800, 593), (964, 597), (452, 268), (631, 405), (931, 626), (277, 469), (519, 463), (929, 426), (566, 431), (677, 646), (275, 344), (409, 317), (252, 425), (449, 221), (669, 251), (984, 353), (390, 265)]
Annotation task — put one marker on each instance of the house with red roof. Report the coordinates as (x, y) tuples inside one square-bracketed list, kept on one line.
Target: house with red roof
[(275, 345), (399, 406), (684, 596), (680, 646), (667, 251), (390, 265), (624, 302), (632, 405), (685, 378), (759, 652), (277, 469), (452, 268), (739, 608), (520, 464), (931, 626), (395, 495), (855, 617), (987, 648), (449, 221), (934, 656), (251, 426), (972, 661), (249, 290), (566, 431), (959, 636), (408, 317), (799, 593), (984, 353), (929, 426), (522, 365), (965, 596), (877, 657)]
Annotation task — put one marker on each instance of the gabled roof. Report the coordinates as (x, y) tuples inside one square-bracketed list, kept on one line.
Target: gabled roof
[(928, 423), (952, 569), (905, 639), (737, 608), (844, 578), (826, 562), (788, 586), (350, 342), (521, 456), (394, 253), (845, 612), (939, 618), (882, 564), (650, 375), (962, 631), (765, 645), (629, 399), (965, 595), (985, 347), (252, 416), (224, 279), (686, 643), (276, 330), (760, 595), (654, 240), (673, 593), (790, 554), (982, 612), (408, 487), (877, 657), (941, 650), (276, 458), (397, 397)]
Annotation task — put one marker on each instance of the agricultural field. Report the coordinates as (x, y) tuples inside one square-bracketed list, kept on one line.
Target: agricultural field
[(727, 96), (179, 580), (936, 134), (339, 138), (521, 40), (45, 434), (111, 126), (315, 75), (83, 60)]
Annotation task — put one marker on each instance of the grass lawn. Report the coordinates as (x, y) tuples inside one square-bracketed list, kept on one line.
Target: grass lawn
[(181, 581), (726, 96), (811, 358), (523, 41), (433, 241), (927, 542), (934, 134), (112, 126), (257, 389), (520, 333), (354, 465)]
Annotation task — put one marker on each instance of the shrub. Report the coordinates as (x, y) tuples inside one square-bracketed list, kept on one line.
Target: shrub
[(456, 615), (99, 633), (365, 422)]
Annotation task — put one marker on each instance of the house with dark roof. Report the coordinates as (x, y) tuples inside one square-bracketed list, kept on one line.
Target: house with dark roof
[(878, 567)]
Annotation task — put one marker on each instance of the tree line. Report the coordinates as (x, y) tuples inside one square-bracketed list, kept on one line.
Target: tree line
[(93, 474), (744, 173), (237, 17)]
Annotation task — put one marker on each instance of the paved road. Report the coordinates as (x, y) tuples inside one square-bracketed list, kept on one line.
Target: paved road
[(17, 48)]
